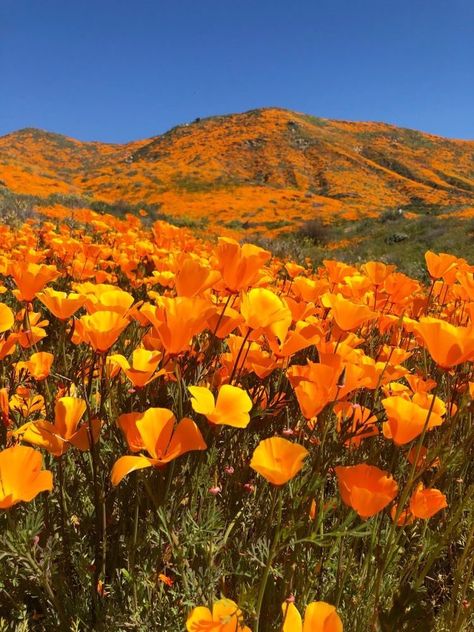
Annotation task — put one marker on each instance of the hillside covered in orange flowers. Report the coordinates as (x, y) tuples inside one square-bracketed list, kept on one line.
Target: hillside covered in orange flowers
[(263, 170)]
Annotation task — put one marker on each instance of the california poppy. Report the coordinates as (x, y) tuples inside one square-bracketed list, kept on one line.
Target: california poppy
[(30, 278), (231, 408), (225, 616), (21, 476), (263, 309), (406, 419), (101, 329), (426, 502), (319, 616), (162, 438), (66, 430), (278, 460), (61, 304), (365, 488)]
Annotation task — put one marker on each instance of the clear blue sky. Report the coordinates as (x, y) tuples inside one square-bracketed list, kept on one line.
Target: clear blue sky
[(117, 70)]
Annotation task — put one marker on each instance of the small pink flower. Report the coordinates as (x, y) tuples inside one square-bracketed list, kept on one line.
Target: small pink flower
[(229, 470), (215, 490), (288, 432), (249, 487)]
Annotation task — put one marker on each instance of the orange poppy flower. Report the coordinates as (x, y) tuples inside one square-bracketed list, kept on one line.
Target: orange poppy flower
[(278, 460), (21, 476), (161, 438), (263, 309), (31, 278), (38, 366), (177, 320), (61, 304), (425, 503), (347, 315), (439, 265), (239, 265), (315, 385), (194, 277), (231, 408), (319, 616), (225, 616), (407, 418), (57, 437), (101, 329), (4, 407), (143, 365), (448, 345), (365, 488), (6, 318)]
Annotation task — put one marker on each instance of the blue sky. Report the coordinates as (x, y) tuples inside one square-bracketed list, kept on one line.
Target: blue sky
[(117, 70)]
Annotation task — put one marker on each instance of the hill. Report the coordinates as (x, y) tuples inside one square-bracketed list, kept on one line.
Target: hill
[(262, 172)]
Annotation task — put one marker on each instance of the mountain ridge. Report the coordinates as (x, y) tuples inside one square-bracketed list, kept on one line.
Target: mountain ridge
[(269, 168)]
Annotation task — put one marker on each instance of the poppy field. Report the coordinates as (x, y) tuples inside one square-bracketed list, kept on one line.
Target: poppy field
[(197, 435)]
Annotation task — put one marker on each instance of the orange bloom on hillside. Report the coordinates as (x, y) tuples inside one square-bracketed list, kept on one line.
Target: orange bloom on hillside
[(61, 304), (7, 318), (365, 488), (231, 408), (315, 385), (319, 616), (347, 315), (239, 265), (21, 476), (448, 345), (278, 460), (161, 437), (141, 370), (263, 309), (30, 278), (426, 502), (38, 366), (225, 616), (57, 437), (177, 320), (101, 329), (407, 418)]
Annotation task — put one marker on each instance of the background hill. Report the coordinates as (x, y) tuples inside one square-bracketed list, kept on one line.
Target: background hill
[(263, 172)]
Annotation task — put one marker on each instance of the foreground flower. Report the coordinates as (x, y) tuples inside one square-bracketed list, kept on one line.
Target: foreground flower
[(38, 366), (141, 370), (263, 309), (58, 437), (407, 419), (31, 278), (61, 304), (226, 616), (101, 329), (365, 488), (278, 460), (448, 345), (231, 409), (21, 476), (319, 616), (425, 503), (6, 318), (160, 437)]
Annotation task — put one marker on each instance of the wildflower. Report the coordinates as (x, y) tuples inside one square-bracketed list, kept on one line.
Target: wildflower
[(319, 616), (278, 460), (21, 476), (231, 408), (365, 488), (57, 437), (225, 616), (162, 438), (426, 502), (61, 304)]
